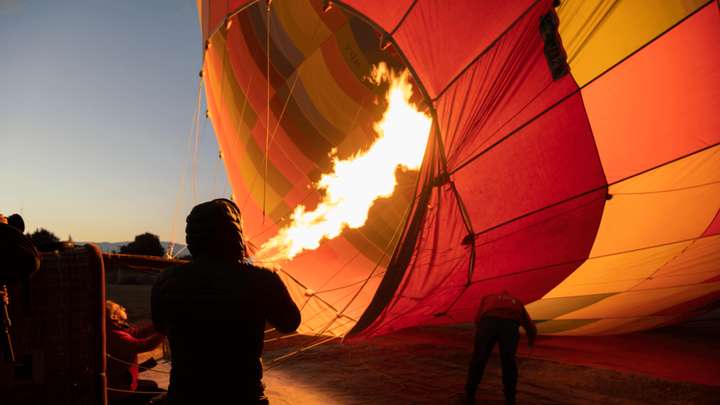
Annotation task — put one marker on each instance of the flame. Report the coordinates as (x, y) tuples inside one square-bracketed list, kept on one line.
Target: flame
[(355, 183)]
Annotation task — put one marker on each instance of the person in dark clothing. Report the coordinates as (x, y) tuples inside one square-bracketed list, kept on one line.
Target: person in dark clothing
[(19, 259), (17, 222), (214, 310), (497, 321), (124, 342)]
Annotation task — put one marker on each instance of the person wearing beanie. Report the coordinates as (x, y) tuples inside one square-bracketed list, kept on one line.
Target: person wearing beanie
[(214, 310), (17, 222)]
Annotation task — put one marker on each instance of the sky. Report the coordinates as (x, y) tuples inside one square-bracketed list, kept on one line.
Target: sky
[(97, 99)]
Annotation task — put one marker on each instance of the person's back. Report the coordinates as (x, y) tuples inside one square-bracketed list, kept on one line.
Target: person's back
[(496, 322), (504, 306), (213, 311)]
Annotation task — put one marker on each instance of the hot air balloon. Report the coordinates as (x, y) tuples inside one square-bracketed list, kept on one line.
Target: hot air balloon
[(571, 155)]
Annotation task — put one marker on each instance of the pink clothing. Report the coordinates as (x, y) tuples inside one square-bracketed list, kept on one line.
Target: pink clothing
[(505, 306), (123, 345)]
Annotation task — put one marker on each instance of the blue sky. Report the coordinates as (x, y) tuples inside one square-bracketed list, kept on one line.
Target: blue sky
[(96, 107)]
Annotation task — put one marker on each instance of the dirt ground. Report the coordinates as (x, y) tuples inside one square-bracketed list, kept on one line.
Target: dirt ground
[(428, 366)]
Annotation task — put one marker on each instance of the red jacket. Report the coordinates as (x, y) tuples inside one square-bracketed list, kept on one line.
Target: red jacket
[(124, 345), (505, 306)]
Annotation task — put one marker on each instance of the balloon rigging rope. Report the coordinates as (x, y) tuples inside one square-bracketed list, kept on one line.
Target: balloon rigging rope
[(292, 87), (339, 314), (139, 366), (196, 144), (192, 142), (277, 125), (270, 138), (267, 108), (223, 80)]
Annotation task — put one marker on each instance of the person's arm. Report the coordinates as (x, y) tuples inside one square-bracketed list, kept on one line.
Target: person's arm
[(157, 308), (282, 312), (481, 309), (131, 344), (529, 327), (142, 329)]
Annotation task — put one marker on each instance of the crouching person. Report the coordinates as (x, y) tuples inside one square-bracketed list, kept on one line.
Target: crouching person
[(214, 310), (497, 321), (124, 343)]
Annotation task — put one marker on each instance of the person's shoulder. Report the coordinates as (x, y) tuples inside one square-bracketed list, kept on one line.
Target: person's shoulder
[(262, 274), (10, 234), (258, 271), (120, 333), (172, 272)]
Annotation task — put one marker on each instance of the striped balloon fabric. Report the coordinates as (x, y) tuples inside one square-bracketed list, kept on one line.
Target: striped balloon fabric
[(573, 159)]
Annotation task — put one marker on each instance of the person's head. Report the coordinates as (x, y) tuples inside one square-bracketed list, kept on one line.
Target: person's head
[(16, 221), (214, 229), (115, 314), (3, 219)]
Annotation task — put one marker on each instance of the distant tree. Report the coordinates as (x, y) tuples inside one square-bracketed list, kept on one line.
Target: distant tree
[(145, 244), (42, 237)]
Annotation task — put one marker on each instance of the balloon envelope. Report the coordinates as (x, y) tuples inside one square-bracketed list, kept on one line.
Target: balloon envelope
[(574, 157)]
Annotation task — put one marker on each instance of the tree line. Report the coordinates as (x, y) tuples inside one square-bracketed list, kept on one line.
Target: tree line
[(146, 244)]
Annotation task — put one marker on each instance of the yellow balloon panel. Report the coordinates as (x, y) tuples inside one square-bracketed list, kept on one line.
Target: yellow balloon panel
[(646, 254), (697, 264), (673, 203), (606, 326), (599, 33), (642, 303), (326, 96), (553, 307), (616, 273), (302, 23)]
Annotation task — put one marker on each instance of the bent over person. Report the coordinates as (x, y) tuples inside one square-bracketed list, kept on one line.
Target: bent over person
[(497, 321), (214, 309)]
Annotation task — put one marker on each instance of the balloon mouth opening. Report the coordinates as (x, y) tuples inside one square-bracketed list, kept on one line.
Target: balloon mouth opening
[(354, 202)]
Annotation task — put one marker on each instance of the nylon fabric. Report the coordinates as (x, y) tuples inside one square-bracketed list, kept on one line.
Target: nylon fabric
[(320, 100), (599, 33), (460, 31), (593, 197), (668, 88)]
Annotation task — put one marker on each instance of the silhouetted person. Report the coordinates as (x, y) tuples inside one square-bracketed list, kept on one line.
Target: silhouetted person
[(124, 342), (18, 261), (20, 258), (17, 222), (214, 309), (497, 321)]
